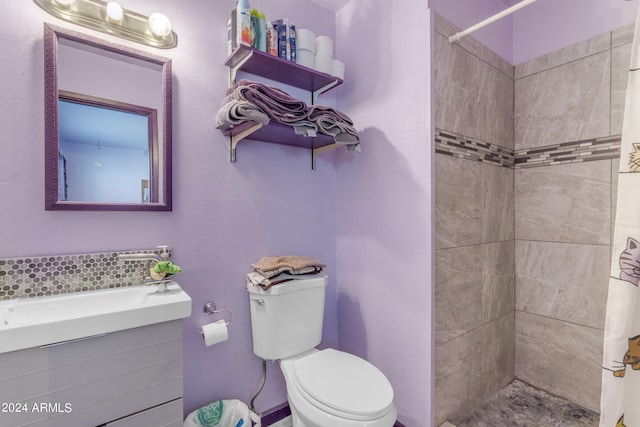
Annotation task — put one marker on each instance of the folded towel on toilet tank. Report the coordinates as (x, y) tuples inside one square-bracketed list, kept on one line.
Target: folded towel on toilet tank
[(272, 266), (258, 279)]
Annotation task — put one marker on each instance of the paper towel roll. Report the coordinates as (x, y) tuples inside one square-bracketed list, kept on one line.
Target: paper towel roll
[(215, 332)]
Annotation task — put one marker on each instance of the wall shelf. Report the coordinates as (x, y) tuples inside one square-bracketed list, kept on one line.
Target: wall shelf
[(276, 133), (253, 61), (250, 60)]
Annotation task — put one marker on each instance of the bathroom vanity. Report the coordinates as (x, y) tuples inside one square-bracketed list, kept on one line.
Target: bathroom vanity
[(116, 364)]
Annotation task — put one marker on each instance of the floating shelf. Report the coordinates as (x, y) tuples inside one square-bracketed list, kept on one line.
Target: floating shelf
[(250, 60), (276, 133), (253, 61)]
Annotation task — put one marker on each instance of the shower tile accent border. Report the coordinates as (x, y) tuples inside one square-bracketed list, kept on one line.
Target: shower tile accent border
[(456, 145), (452, 144), (39, 276), (604, 148)]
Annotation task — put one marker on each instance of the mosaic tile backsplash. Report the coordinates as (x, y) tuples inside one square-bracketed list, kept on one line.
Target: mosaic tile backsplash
[(31, 277), (460, 146)]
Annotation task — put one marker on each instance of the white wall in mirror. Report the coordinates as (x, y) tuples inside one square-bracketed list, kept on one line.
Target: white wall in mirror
[(98, 73)]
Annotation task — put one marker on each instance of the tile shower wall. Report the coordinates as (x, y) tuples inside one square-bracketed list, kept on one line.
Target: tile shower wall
[(475, 251), (524, 216), (40, 276), (571, 100)]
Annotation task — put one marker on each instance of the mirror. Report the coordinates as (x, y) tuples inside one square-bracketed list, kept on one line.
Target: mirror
[(107, 125)]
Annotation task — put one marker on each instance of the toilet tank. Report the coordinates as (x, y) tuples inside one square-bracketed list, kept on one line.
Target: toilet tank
[(286, 319)]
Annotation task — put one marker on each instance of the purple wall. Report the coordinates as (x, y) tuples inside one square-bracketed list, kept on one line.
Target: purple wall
[(549, 25), (465, 13), (225, 215), (384, 198), (367, 215), (539, 28)]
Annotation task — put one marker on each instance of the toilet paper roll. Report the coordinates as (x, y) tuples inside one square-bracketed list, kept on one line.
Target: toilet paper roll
[(305, 58), (324, 45), (305, 39), (214, 333), (323, 63), (338, 69)]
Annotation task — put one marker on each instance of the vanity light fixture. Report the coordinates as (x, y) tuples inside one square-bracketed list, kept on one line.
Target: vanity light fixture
[(159, 24), (114, 11), (111, 18)]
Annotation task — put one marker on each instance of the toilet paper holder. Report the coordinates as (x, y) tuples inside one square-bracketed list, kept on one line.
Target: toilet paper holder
[(210, 308)]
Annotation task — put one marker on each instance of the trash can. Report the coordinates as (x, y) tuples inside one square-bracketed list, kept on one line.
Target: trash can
[(222, 413)]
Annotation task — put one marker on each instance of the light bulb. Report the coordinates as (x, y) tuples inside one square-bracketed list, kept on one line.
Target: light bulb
[(159, 24), (66, 3), (114, 11)]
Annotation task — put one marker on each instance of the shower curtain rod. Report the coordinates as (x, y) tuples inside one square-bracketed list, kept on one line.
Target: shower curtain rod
[(509, 11)]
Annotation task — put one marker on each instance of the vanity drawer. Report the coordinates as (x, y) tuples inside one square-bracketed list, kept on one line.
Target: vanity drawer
[(93, 381)]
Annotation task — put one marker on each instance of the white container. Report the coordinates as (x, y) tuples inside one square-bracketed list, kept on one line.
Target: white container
[(338, 69), (243, 27), (324, 45), (324, 63), (306, 58), (306, 39)]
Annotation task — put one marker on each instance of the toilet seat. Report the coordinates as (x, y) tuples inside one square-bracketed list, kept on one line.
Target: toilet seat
[(343, 384)]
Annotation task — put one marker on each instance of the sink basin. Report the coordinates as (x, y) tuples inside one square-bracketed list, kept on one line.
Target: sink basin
[(35, 322)]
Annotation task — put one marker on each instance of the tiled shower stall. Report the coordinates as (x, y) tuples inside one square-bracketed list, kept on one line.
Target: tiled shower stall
[(526, 161)]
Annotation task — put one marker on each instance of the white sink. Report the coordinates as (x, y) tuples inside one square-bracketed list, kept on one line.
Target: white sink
[(35, 322)]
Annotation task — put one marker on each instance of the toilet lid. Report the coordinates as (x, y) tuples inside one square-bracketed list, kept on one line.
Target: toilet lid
[(344, 382)]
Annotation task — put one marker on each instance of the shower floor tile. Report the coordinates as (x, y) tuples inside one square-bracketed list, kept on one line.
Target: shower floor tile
[(521, 405)]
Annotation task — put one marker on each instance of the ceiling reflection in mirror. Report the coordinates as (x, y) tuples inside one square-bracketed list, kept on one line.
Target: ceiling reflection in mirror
[(108, 125)]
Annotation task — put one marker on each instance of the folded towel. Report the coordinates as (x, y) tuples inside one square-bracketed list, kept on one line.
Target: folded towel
[(330, 112), (258, 279), (304, 127), (273, 266), (248, 100), (235, 112), (334, 123), (342, 133), (276, 103)]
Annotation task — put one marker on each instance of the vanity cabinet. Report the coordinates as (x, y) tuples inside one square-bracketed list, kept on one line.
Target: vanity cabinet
[(254, 61), (127, 378)]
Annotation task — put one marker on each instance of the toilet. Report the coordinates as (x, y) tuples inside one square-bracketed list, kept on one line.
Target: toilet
[(325, 388)]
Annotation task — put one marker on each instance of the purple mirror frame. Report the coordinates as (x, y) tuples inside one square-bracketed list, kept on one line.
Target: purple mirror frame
[(51, 35)]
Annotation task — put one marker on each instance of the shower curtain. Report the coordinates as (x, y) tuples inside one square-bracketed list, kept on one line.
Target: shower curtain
[(620, 399)]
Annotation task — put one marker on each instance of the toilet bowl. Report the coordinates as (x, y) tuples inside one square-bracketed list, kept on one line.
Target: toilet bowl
[(325, 388), (333, 388)]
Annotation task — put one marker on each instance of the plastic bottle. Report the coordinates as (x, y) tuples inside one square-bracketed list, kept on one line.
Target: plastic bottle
[(244, 22), (255, 28), (234, 28), (292, 43), (229, 37), (282, 30), (272, 39), (262, 36)]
